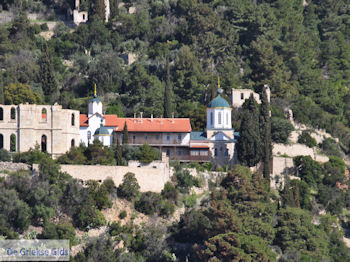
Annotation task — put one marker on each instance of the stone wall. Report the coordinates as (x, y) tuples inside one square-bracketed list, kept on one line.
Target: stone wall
[(151, 178), (12, 167)]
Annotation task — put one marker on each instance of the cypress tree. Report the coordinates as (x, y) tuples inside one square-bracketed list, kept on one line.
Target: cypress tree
[(100, 9), (167, 93), (125, 135), (47, 73), (119, 153), (249, 142), (265, 129)]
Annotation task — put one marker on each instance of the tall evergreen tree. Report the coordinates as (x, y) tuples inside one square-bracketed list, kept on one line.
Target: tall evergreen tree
[(265, 130), (167, 93), (125, 135), (100, 9), (47, 73), (249, 142), (118, 153)]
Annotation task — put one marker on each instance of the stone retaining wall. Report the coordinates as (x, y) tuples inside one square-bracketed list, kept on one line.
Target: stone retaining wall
[(149, 178), (13, 167)]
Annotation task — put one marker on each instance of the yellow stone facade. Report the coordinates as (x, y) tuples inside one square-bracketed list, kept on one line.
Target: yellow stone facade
[(54, 129)]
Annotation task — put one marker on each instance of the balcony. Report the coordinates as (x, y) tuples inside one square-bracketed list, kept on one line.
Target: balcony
[(156, 142), (187, 158)]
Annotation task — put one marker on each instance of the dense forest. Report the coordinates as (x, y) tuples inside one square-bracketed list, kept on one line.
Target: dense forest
[(299, 48)]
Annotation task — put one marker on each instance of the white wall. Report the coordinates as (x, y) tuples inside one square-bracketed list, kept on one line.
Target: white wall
[(225, 118)]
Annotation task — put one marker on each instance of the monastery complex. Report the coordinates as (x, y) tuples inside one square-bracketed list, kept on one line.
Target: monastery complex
[(56, 130)]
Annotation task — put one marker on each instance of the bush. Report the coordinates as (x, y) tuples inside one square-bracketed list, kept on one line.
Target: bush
[(4, 155), (306, 139), (149, 203), (329, 146), (167, 208), (87, 216), (147, 154), (122, 214), (280, 130), (185, 180), (44, 27), (33, 156), (129, 189), (170, 192)]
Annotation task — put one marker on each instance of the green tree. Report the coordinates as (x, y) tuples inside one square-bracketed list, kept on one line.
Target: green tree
[(249, 145), (129, 189), (18, 93), (118, 153), (125, 135), (147, 154), (265, 132), (47, 73), (167, 93), (280, 130)]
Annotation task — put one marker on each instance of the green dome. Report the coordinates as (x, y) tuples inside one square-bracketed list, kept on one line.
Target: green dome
[(101, 131), (95, 99), (218, 102)]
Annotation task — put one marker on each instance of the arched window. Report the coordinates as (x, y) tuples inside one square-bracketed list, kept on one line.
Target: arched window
[(43, 143), (215, 151), (73, 120), (211, 118), (219, 118), (226, 118), (1, 141), (1, 113), (13, 113), (226, 152), (13, 143), (44, 114), (72, 143)]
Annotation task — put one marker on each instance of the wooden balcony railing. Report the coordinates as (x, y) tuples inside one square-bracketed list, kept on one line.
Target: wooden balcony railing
[(190, 158)]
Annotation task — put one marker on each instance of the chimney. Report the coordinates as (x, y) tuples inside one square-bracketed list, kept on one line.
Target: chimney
[(134, 117), (161, 120), (151, 117), (172, 118), (141, 113)]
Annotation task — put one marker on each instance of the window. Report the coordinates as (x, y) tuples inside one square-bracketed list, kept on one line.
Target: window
[(146, 137), (203, 152), (157, 137), (1, 113), (44, 114), (179, 137), (168, 152), (168, 138), (43, 143), (195, 153), (73, 120), (72, 143), (89, 135), (211, 118), (1, 141), (226, 152), (13, 113), (242, 96), (13, 143), (179, 152), (84, 17), (219, 118), (226, 118), (216, 152), (133, 139)]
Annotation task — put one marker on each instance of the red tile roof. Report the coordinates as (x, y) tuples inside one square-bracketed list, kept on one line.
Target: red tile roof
[(177, 125), (110, 120)]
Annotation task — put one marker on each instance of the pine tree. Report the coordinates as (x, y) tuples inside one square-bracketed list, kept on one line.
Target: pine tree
[(265, 130), (47, 73), (249, 144), (167, 94), (118, 152), (100, 9), (125, 135)]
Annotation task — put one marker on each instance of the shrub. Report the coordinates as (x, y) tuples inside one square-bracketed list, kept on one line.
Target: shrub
[(280, 130), (149, 203), (87, 216), (122, 214), (306, 139), (185, 180), (170, 192), (4, 155), (129, 189), (167, 208), (329, 146), (147, 154), (44, 27)]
